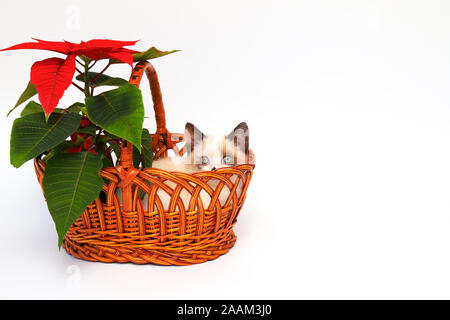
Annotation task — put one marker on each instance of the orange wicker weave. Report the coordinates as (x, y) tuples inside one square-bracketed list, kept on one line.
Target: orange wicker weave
[(110, 231)]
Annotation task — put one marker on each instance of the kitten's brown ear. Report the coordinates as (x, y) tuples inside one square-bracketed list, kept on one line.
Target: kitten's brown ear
[(240, 136), (192, 136)]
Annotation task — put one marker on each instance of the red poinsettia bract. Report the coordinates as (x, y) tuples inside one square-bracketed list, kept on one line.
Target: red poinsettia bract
[(53, 76)]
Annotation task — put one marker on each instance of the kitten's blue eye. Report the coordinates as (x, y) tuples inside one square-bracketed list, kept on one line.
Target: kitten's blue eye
[(205, 160), (227, 160)]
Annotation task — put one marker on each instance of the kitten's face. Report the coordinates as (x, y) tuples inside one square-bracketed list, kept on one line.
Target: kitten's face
[(216, 151)]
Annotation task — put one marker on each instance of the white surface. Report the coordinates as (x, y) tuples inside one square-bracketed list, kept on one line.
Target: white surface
[(348, 109)]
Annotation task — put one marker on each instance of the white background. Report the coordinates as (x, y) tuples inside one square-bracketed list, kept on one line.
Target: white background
[(348, 104)]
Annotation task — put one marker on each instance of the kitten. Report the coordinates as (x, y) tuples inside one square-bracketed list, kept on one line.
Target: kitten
[(206, 153)]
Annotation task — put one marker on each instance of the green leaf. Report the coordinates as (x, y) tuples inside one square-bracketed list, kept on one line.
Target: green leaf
[(31, 107), (31, 135), (102, 80), (76, 107), (146, 158), (147, 150), (99, 145), (90, 129), (71, 182), (136, 157), (107, 163), (30, 91), (120, 112), (151, 53)]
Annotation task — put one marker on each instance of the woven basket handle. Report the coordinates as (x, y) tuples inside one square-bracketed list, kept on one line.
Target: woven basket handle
[(158, 105), (126, 157)]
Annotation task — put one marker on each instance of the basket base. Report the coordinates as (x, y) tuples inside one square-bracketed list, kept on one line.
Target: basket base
[(141, 255)]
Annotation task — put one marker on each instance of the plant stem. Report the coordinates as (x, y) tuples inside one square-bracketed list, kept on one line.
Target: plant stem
[(81, 63), (90, 67), (101, 72), (79, 88), (86, 80), (98, 134)]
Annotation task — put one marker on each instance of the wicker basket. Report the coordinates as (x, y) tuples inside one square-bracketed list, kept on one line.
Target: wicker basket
[(110, 230)]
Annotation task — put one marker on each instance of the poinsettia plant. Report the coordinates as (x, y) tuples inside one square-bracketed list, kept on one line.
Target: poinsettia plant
[(75, 141)]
